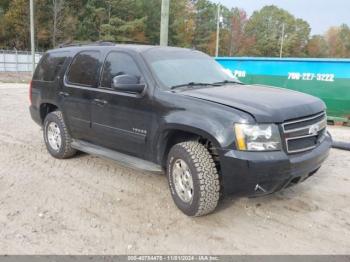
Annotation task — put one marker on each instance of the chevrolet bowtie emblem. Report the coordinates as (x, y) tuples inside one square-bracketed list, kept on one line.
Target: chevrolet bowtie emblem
[(314, 130)]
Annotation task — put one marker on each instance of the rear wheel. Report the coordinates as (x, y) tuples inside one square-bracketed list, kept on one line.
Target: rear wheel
[(193, 179), (56, 136)]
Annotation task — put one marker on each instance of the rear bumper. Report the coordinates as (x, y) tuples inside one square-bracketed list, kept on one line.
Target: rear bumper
[(256, 173), (35, 114)]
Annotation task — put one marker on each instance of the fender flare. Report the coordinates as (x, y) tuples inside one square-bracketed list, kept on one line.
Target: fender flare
[(159, 145)]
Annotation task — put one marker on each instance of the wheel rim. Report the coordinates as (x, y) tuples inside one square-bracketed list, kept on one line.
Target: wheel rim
[(54, 136), (183, 180)]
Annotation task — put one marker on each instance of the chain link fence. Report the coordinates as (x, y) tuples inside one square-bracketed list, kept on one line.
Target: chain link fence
[(17, 61)]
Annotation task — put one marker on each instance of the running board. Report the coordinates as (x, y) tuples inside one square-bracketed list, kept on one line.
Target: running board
[(125, 160)]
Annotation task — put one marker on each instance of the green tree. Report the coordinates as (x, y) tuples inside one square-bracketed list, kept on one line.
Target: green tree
[(91, 20), (344, 41), (338, 40), (181, 23), (265, 26), (317, 47), (113, 20), (123, 31), (15, 25), (192, 24), (2, 28), (4, 5), (205, 25), (150, 9), (237, 38)]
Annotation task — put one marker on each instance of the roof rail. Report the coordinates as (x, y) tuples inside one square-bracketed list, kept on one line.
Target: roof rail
[(133, 42), (101, 43)]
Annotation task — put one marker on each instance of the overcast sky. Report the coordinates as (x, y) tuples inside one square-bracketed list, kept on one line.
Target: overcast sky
[(320, 14)]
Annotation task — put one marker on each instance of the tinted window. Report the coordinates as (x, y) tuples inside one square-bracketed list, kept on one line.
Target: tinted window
[(50, 66), (118, 64), (84, 68)]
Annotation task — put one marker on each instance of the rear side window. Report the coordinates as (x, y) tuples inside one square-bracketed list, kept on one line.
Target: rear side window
[(84, 69), (118, 64), (50, 66)]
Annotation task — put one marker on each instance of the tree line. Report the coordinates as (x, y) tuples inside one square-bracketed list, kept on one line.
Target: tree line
[(192, 24)]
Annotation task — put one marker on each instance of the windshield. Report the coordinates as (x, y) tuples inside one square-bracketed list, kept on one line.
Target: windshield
[(181, 67)]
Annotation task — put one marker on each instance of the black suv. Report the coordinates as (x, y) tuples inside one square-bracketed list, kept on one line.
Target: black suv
[(173, 109)]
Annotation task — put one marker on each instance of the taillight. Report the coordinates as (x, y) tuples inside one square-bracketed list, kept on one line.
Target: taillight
[(30, 91)]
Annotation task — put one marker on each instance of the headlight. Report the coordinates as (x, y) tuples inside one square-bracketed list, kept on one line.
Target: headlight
[(257, 137)]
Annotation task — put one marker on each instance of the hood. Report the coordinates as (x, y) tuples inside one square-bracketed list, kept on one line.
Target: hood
[(265, 104)]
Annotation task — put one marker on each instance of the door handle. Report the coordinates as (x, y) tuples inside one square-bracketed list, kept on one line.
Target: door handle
[(64, 94), (100, 102)]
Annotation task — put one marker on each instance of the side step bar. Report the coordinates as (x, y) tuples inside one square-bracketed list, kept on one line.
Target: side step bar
[(125, 160), (341, 145)]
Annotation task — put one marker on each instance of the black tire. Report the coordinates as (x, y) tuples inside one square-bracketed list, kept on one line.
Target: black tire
[(65, 150), (206, 185)]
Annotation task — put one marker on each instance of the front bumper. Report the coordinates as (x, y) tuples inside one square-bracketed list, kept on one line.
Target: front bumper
[(262, 173)]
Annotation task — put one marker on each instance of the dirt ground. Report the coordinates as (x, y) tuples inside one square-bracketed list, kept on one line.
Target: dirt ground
[(13, 77), (88, 205)]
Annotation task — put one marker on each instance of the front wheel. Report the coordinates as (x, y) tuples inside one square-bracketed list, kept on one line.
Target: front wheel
[(193, 179)]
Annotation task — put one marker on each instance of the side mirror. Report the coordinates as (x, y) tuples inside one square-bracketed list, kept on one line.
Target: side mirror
[(127, 83)]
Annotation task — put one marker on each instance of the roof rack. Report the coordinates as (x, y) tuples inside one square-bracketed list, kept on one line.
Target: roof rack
[(101, 43), (133, 42)]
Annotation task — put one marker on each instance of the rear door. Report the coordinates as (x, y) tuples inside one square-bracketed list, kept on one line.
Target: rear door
[(120, 120), (78, 91)]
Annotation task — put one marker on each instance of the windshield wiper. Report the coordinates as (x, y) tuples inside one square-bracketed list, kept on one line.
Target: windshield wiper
[(228, 82), (192, 84)]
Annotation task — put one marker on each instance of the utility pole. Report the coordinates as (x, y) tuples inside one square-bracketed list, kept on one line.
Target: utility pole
[(164, 23), (218, 31), (282, 40), (32, 41)]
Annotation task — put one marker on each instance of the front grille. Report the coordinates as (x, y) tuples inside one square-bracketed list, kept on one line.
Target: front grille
[(304, 134)]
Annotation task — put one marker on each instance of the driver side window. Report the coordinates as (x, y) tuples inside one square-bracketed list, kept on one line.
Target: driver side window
[(117, 64)]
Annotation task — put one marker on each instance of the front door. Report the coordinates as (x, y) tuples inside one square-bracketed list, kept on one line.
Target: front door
[(79, 88), (121, 121)]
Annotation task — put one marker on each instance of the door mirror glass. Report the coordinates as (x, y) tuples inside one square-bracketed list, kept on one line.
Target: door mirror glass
[(127, 83)]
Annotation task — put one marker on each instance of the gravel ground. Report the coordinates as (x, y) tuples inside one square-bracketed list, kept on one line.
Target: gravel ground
[(88, 205), (13, 77)]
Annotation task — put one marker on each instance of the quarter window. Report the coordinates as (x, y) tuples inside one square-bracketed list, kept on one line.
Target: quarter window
[(84, 69), (118, 64), (50, 66)]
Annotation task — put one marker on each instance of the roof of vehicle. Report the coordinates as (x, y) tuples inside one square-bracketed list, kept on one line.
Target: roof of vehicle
[(109, 46)]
